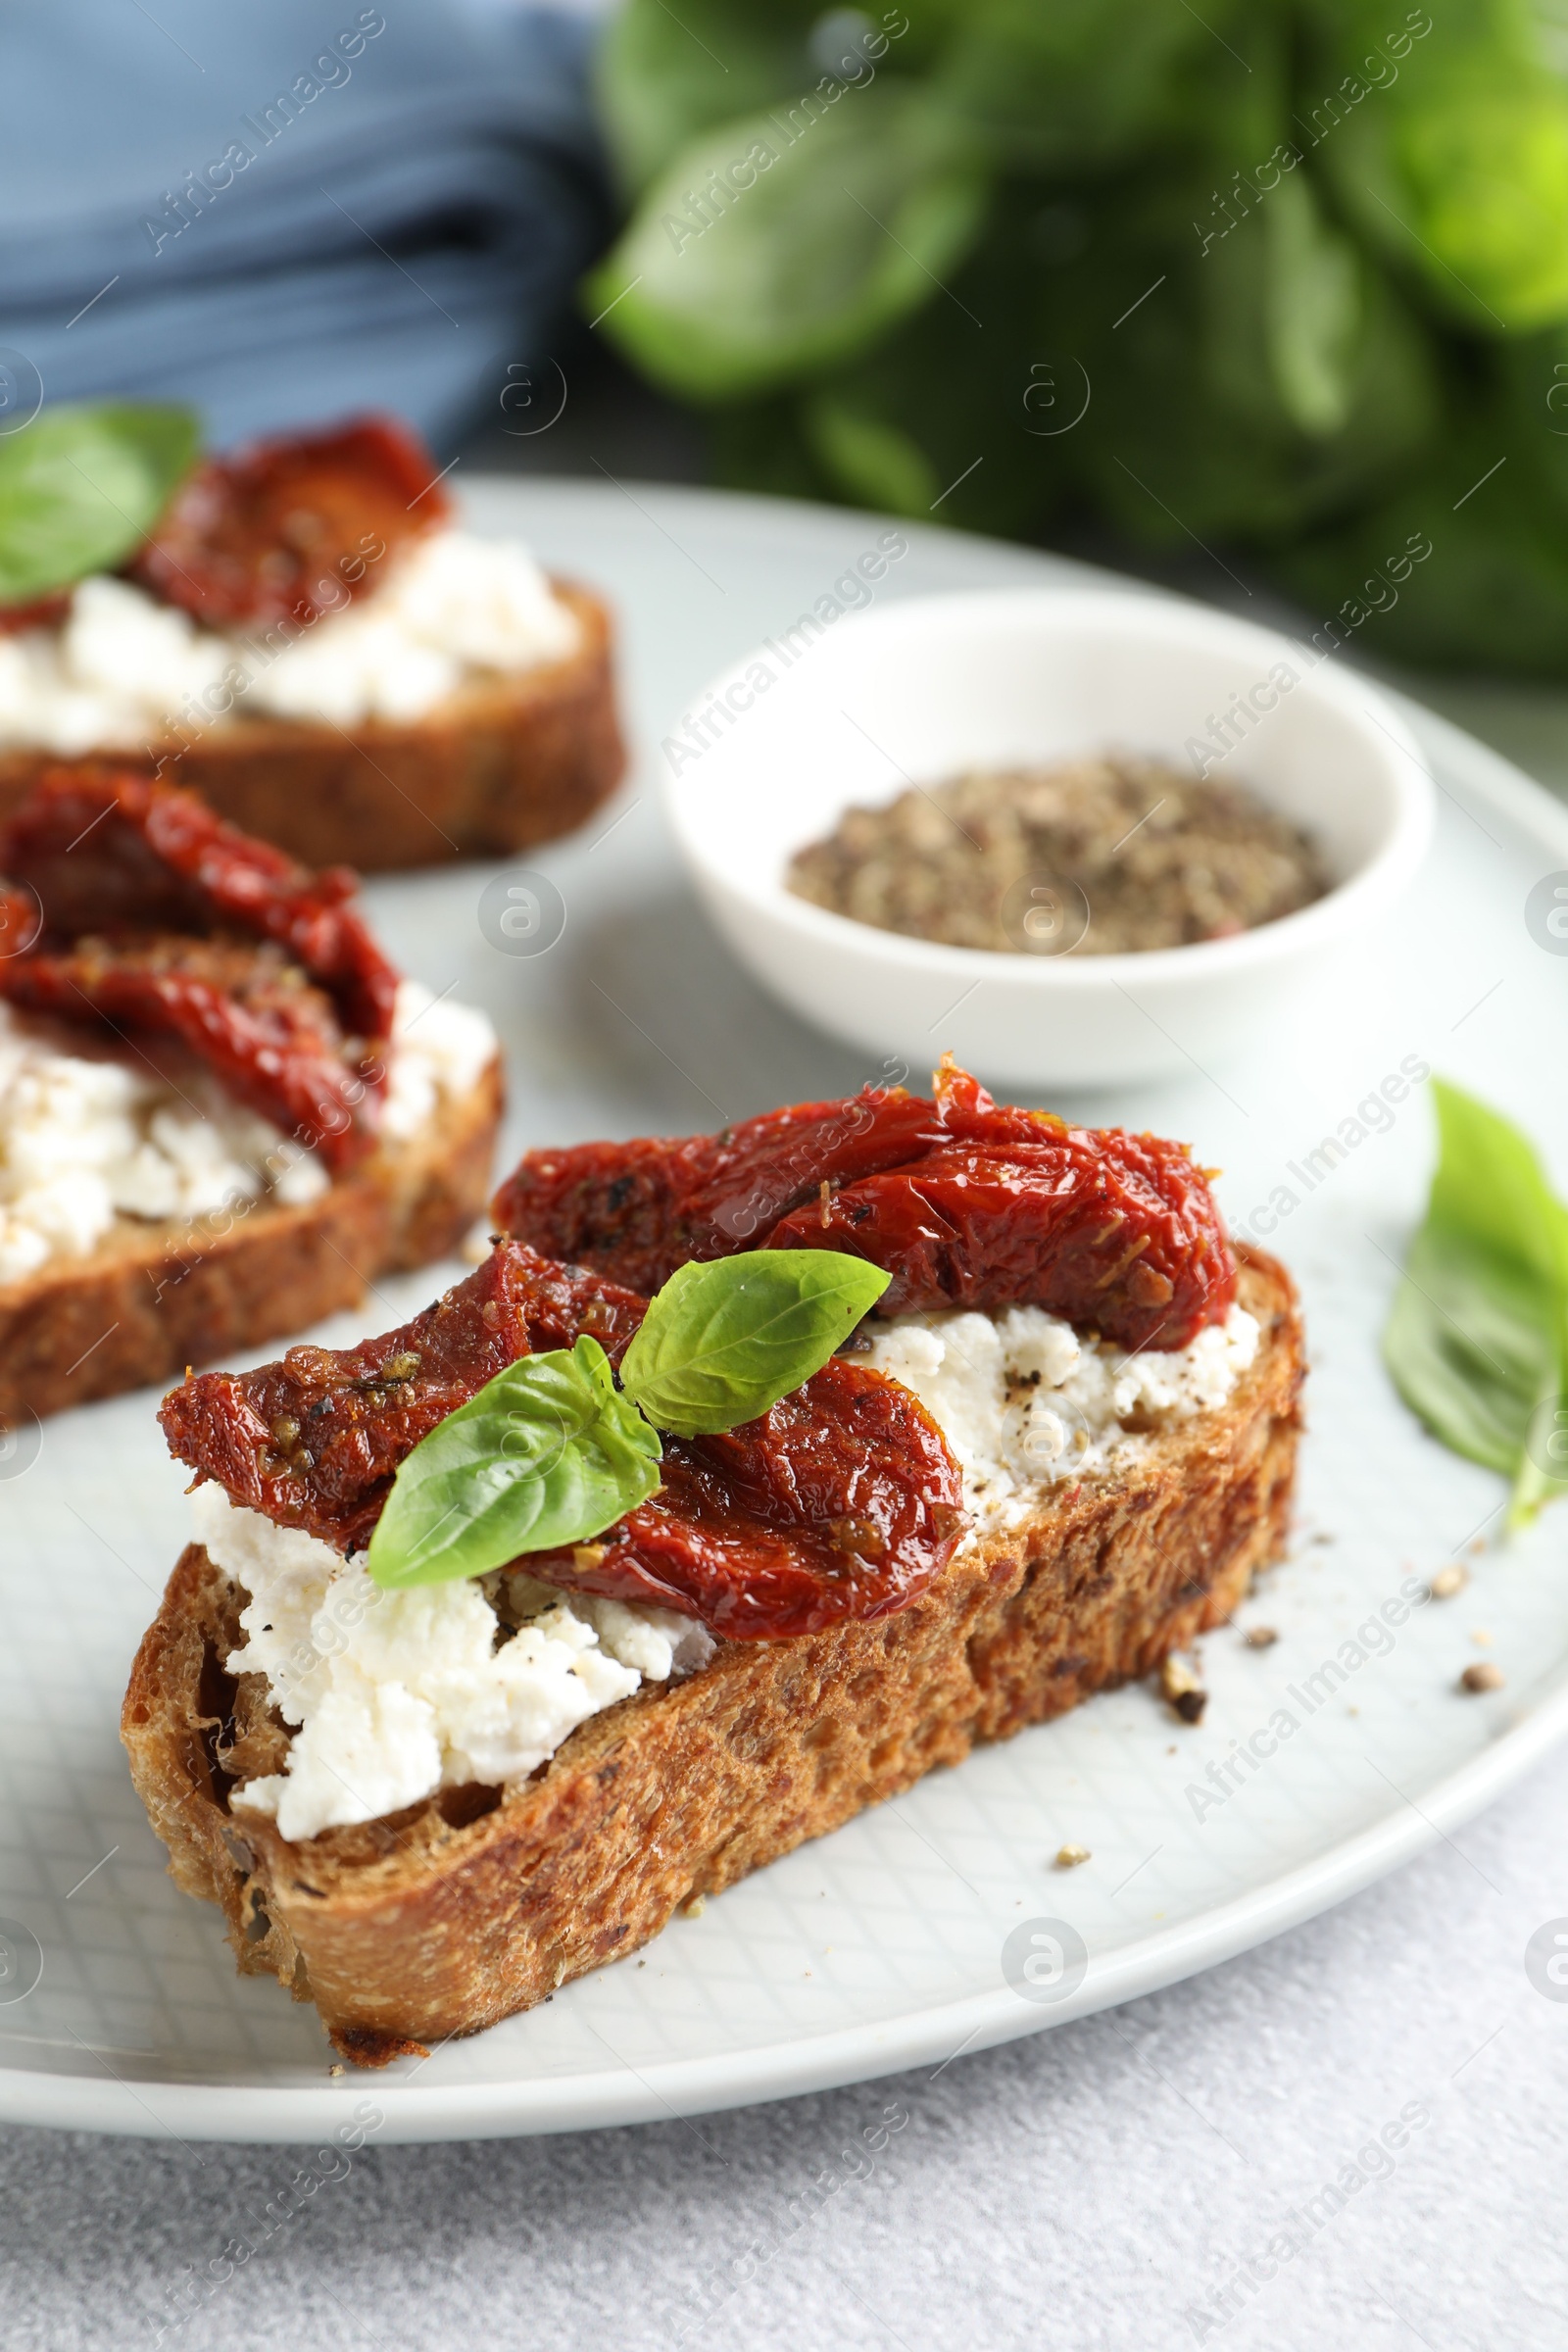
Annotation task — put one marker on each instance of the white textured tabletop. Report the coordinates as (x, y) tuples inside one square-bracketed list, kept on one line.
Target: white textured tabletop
[(1105, 2186), (1357, 2134)]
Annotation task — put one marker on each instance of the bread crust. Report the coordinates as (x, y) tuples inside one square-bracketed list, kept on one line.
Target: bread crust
[(152, 1298), (500, 766), (475, 1903)]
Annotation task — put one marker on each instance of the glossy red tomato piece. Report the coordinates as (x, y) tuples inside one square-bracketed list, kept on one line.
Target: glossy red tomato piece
[(842, 1502), (651, 1205), (1111, 1231), (107, 853), (963, 1202), (43, 612), (289, 528), (273, 1044), (129, 902)]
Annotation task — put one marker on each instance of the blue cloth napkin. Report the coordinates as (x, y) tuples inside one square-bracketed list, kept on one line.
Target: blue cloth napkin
[(287, 212)]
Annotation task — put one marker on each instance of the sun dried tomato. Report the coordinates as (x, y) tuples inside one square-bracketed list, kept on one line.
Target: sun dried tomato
[(44, 613), (130, 902), (1110, 1230), (107, 851), (270, 1040), (288, 528), (651, 1205), (21, 923), (842, 1502), (963, 1200), (314, 1441)]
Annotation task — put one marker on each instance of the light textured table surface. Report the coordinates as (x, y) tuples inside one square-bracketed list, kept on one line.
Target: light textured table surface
[(1095, 2186), (1101, 2186)]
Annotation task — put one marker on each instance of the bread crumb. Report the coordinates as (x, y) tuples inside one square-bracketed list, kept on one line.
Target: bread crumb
[(1447, 1582), (1486, 1677), (336, 2069), (1181, 1689), (695, 1907), (1068, 1857), (1260, 1637), (1480, 1638)]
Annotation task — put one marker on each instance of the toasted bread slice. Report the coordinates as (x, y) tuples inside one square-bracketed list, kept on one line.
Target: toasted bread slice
[(505, 763), (478, 1902), (153, 1298)]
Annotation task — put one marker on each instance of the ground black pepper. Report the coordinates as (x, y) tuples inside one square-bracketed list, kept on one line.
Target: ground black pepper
[(1100, 857)]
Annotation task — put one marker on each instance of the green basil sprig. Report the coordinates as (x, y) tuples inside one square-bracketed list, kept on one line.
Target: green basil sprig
[(1477, 1341), (547, 1452), (724, 1341), (551, 1452), (82, 487)]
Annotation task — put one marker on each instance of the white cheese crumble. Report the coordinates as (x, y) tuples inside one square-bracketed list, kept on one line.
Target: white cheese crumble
[(1023, 1401), (122, 668), (86, 1138), (394, 1695), (439, 1053)]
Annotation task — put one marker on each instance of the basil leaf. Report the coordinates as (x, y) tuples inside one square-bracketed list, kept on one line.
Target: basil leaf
[(845, 214), (546, 1454), (1460, 172), (724, 1341), (82, 487), (661, 79), (1477, 1340)]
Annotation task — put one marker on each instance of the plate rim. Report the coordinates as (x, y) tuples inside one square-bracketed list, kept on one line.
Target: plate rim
[(668, 2089)]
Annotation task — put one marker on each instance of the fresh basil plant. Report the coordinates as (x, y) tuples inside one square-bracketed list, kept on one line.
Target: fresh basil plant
[(550, 1452), (1477, 1341), (1295, 278)]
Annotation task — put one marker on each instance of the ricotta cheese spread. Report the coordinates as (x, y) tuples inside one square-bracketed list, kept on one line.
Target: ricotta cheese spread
[(86, 1138), (1024, 1400), (394, 1695), (123, 669), (397, 1695)]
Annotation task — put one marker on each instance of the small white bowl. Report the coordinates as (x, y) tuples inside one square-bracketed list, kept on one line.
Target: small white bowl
[(922, 689)]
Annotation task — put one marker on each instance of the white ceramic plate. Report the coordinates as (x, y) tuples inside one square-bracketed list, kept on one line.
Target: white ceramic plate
[(882, 1945)]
